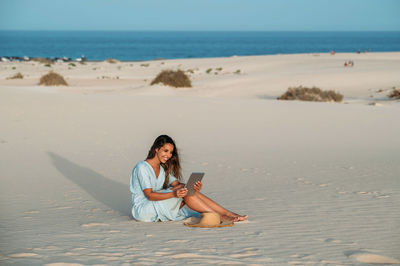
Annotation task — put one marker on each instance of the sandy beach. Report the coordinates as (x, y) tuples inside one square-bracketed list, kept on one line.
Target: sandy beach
[(319, 181)]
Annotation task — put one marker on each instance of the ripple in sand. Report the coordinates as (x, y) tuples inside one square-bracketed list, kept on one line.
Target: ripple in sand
[(63, 208), (24, 255), (63, 264), (178, 241), (91, 225), (31, 212), (374, 259), (243, 255), (78, 249), (186, 256), (115, 254)]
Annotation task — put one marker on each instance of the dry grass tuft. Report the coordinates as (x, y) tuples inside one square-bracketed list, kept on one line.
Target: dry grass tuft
[(395, 94), (52, 79), (177, 79), (314, 94), (42, 60), (17, 76), (111, 60)]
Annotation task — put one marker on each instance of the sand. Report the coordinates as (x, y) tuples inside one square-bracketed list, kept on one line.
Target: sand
[(319, 181)]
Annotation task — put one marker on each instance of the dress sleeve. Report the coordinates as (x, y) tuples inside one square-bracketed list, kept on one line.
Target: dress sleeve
[(172, 178), (144, 177)]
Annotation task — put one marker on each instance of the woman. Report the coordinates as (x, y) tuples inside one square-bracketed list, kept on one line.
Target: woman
[(157, 194)]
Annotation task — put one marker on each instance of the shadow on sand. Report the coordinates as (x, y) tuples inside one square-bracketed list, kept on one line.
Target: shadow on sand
[(113, 194)]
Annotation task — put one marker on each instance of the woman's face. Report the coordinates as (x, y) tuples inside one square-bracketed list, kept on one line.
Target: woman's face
[(165, 152)]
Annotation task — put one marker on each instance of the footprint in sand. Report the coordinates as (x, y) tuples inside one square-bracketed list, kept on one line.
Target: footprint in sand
[(331, 240), (258, 233)]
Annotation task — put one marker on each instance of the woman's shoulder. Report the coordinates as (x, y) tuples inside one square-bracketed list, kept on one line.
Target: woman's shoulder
[(141, 165)]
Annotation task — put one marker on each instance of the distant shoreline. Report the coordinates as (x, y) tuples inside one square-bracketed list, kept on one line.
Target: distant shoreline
[(139, 46), (54, 59)]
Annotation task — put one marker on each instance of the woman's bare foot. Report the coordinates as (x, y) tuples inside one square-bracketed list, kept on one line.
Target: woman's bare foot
[(228, 218), (238, 217), (242, 218)]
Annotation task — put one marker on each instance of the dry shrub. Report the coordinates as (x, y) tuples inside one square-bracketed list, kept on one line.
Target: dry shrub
[(314, 94), (42, 60), (172, 78), (395, 94), (111, 60), (53, 79), (17, 76)]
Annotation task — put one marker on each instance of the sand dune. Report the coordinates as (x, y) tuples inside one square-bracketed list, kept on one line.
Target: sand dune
[(319, 181)]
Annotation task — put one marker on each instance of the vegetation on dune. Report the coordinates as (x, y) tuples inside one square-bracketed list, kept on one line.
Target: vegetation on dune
[(311, 94), (177, 79), (111, 60), (394, 94), (52, 79), (17, 76), (42, 60)]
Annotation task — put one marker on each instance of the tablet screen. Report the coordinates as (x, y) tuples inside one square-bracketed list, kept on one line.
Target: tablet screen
[(194, 177)]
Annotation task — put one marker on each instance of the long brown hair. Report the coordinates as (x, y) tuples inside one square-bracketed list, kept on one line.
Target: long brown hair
[(172, 165)]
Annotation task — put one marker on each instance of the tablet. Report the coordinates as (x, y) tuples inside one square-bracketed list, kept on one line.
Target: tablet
[(194, 177)]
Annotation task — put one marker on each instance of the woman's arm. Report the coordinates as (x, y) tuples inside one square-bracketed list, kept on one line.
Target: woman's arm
[(155, 196), (176, 185)]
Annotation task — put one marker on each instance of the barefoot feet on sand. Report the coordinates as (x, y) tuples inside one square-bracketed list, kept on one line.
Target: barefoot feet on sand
[(234, 217)]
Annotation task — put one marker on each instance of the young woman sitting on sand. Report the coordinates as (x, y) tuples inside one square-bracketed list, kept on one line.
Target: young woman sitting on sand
[(157, 194)]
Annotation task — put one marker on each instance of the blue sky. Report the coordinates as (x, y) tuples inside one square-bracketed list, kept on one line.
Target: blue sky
[(257, 15)]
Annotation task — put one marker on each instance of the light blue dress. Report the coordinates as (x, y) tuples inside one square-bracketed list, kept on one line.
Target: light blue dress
[(142, 177)]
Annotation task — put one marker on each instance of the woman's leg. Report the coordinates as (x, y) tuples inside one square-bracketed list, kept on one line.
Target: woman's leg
[(196, 204), (201, 203), (219, 209)]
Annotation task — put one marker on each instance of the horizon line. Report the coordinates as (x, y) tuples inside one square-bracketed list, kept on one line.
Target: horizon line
[(86, 30)]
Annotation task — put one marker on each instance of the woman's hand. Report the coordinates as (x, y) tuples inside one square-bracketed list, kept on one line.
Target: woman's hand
[(180, 185), (197, 186), (180, 192)]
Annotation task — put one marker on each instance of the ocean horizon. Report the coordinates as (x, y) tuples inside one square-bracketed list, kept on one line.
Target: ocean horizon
[(150, 45)]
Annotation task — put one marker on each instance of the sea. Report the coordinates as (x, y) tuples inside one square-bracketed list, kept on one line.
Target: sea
[(151, 45)]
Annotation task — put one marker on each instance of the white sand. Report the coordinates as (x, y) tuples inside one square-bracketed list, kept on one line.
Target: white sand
[(319, 181)]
